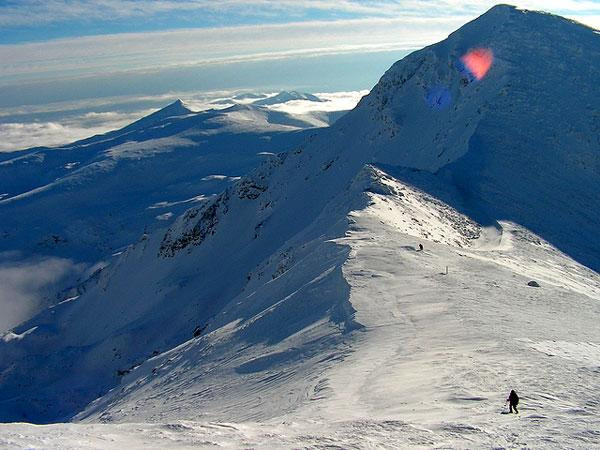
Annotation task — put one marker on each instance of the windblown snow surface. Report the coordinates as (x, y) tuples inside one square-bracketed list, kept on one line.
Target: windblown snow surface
[(295, 309)]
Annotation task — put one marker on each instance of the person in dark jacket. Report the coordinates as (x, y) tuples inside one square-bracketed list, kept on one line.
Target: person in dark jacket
[(513, 400)]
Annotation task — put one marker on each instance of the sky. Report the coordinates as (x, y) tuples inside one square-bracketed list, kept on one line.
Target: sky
[(71, 67)]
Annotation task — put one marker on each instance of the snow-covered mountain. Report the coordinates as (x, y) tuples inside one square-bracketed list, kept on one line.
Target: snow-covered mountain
[(86, 201), (308, 108), (154, 167), (297, 303), (287, 96)]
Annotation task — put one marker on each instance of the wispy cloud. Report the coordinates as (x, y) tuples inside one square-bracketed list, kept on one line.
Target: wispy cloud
[(150, 51), (20, 135), (331, 101), (26, 130), (31, 12), (373, 26), (26, 283), (134, 104)]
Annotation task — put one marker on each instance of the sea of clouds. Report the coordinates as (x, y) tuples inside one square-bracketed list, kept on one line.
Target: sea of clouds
[(58, 124)]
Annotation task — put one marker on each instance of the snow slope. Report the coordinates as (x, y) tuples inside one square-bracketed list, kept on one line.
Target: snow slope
[(89, 200), (429, 366), (155, 165), (294, 309)]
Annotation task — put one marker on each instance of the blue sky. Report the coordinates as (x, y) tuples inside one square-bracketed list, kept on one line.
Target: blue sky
[(42, 20), (83, 18), (61, 52), (50, 40)]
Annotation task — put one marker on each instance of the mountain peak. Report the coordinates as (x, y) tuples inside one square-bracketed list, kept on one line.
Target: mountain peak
[(287, 96), (178, 107), (482, 147), (174, 109), (490, 93), (501, 7)]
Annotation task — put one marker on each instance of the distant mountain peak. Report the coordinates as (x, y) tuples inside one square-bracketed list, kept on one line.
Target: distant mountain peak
[(178, 107), (174, 109), (501, 7), (287, 96)]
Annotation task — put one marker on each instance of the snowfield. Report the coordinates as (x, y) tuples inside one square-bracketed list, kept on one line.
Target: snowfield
[(296, 309), (441, 351), (430, 366)]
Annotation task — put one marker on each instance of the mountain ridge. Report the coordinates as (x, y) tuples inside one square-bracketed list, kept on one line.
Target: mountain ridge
[(305, 282)]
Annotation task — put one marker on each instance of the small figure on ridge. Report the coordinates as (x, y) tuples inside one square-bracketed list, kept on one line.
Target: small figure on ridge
[(513, 400)]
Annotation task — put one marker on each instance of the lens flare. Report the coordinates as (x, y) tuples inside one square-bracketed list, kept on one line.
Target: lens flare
[(478, 61)]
